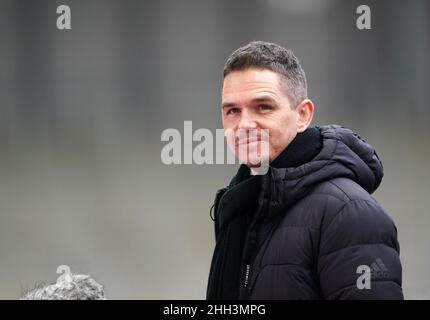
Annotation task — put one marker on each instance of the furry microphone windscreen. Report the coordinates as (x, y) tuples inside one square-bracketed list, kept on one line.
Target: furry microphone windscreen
[(76, 287)]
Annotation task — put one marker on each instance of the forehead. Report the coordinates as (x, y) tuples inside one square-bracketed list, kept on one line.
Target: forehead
[(249, 83)]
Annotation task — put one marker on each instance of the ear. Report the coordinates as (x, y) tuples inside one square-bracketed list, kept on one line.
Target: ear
[(305, 113)]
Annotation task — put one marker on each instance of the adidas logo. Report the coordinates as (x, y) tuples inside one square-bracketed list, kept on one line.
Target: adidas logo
[(379, 270)]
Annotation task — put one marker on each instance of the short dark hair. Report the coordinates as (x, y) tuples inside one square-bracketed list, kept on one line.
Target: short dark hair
[(266, 55)]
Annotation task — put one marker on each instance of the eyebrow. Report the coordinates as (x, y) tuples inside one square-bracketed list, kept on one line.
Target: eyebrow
[(264, 99), (228, 104)]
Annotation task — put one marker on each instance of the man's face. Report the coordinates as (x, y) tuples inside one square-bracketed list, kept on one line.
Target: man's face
[(254, 99)]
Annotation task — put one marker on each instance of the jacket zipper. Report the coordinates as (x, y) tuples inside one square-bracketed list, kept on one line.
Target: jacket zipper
[(247, 273)]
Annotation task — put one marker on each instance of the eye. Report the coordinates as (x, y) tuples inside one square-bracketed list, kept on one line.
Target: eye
[(232, 111), (264, 107)]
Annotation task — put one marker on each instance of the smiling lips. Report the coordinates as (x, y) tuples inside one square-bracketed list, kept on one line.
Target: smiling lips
[(247, 141), (244, 141), (246, 137)]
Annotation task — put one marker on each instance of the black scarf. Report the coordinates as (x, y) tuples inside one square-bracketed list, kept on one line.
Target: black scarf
[(236, 209)]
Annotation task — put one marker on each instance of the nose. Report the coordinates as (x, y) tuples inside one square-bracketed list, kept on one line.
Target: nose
[(246, 121)]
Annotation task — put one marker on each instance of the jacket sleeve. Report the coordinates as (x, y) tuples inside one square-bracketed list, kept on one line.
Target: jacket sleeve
[(359, 254)]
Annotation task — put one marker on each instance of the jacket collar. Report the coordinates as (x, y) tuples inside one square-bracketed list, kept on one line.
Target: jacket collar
[(343, 154), (304, 147)]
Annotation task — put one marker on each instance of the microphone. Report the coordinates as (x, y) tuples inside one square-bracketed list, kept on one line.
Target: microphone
[(68, 287)]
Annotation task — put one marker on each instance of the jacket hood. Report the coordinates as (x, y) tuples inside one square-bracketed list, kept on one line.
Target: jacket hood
[(343, 154)]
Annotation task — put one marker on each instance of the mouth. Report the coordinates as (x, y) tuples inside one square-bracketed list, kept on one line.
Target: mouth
[(246, 141)]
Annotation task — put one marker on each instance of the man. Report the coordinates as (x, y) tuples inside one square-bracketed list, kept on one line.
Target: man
[(308, 228)]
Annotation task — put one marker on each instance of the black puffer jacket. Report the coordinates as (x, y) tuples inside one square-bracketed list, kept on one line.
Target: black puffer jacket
[(315, 224)]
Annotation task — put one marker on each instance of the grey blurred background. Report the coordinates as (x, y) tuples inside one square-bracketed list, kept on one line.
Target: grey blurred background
[(82, 111)]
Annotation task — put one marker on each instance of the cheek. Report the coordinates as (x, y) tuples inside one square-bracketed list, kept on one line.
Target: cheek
[(280, 135), (227, 122)]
